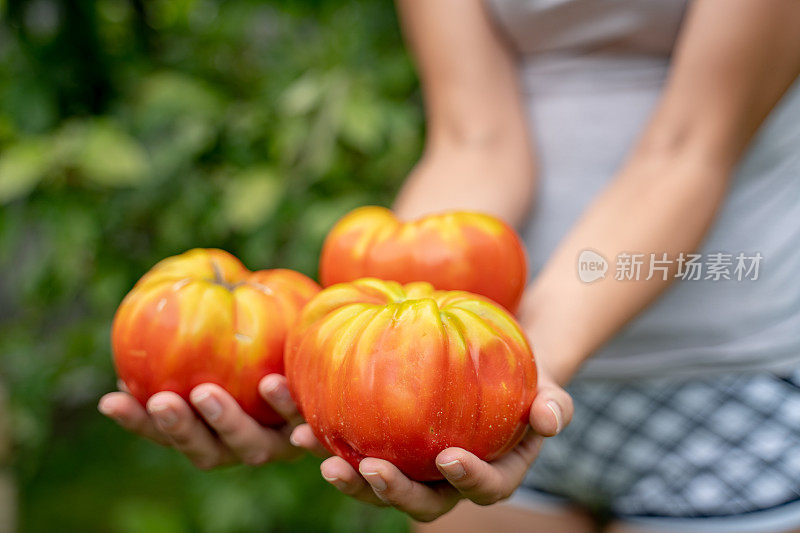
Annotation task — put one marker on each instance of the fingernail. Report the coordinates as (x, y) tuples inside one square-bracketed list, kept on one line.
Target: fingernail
[(453, 470), (375, 480), (276, 391), (271, 383), (553, 406), (104, 408), (209, 406), (336, 482), (164, 415)]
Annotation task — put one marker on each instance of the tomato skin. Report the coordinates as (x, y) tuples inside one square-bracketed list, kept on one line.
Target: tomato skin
[(202, 317), (398, 372), (457, 250)]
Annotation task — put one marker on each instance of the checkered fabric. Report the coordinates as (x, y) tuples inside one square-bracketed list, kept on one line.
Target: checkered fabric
[(716, 446)]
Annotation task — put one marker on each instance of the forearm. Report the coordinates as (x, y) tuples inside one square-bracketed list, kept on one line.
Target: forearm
[(477, 151), (654, 206), (728, 73)]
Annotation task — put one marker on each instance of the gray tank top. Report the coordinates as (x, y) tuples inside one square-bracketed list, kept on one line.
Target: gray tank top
[(593, 71)]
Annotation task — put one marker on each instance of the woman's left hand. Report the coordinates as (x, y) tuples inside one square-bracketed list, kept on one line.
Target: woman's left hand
[(467, 477)]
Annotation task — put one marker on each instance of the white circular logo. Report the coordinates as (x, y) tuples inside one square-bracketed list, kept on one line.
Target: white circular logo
[(591, 266)]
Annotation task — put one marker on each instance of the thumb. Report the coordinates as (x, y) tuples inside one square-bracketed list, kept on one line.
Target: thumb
[(552, 408)]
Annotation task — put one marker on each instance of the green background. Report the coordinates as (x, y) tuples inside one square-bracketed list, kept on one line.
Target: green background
[(131, 130)]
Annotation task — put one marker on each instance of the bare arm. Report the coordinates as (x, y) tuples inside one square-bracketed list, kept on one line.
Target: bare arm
[(477, 153), (734, 61)]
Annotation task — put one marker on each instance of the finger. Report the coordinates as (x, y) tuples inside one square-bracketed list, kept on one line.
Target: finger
[(274, 389), (303, 437), (551, 410), (344, 477), (487, 483), (126, 411), (249, 440), (422, 502), (186, 432), (122, 386)]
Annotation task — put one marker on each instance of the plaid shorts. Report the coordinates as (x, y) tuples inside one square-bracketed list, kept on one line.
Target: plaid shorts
[(713, 447)]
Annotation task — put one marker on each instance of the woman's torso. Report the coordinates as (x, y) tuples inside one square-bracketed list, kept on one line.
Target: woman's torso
[(593, 71)]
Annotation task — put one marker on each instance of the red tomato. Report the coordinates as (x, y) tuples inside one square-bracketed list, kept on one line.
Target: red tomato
[(203, 317), (398, 372), (453, 251)]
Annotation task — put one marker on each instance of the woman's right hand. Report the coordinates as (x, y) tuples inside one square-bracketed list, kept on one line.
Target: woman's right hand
[(236, 437)]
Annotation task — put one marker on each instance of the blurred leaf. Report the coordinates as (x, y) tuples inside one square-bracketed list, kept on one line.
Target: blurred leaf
[(186, 138), (178, 117), (111, 157), (302, 95), (362, 123), (163, 96), (251, 197), (319, 149), (68, 142), (291, 140), (22, 166)]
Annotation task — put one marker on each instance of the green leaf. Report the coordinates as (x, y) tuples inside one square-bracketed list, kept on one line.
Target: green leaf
[(68, 143), (166, 95), (22, 166), (320, 147), (362, 124), (178, 118), (303, 95), (290, 140), (252, 197), (111, 157)]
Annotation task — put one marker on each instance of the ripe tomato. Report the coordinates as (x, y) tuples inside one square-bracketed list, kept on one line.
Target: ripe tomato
[(203, 317), (453, 251), (398, 372)]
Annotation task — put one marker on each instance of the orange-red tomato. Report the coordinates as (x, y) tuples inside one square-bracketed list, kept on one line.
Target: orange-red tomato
[(203, 317), (453, 251), (398, 372)]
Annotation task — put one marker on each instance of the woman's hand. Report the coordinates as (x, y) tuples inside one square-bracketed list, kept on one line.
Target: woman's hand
[(237, 437), (467, 477)]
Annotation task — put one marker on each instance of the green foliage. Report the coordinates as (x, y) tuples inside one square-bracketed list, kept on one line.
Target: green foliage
[(22, 167), (130, 131)]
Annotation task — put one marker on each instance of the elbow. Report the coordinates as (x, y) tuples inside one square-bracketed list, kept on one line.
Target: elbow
[(699, 145)]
